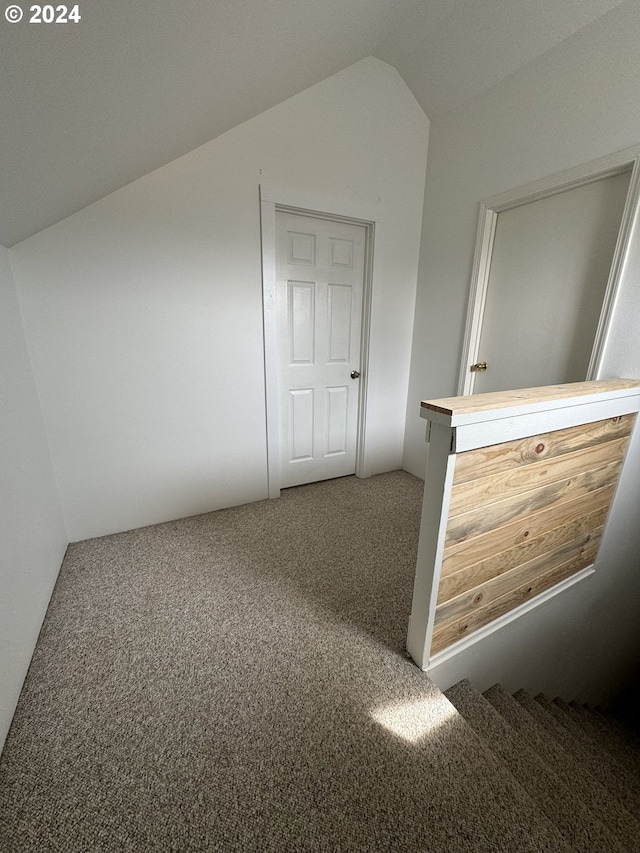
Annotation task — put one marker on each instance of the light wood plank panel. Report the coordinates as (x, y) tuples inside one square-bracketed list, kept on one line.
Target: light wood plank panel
[(486, 518), (499, 585), (498, 487), (473, 464), (472, 403), (476, 574), (449, 632), (458, 555)]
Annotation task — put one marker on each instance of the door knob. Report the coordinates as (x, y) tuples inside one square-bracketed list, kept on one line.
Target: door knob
[(480, 367), (355, 374)]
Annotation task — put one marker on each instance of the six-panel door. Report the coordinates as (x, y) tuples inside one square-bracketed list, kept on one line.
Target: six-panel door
[(320, 271)]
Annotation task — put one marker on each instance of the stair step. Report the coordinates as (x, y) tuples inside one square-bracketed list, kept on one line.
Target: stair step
[(626, 716), (500, 829), (619, 749), (612, 723), (606, 769), (556, 801), (555, 729), (595, 797)]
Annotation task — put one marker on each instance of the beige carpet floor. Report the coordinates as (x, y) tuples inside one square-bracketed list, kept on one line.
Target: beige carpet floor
[(237, 681)]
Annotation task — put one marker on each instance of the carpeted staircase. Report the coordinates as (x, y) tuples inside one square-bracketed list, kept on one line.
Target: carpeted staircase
[(579, 766)]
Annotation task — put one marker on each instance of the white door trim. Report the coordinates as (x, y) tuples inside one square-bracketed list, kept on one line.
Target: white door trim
[(614, 164), (272, 200)]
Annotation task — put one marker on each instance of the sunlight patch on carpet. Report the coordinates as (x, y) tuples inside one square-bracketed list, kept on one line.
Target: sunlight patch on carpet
[(414, 720)]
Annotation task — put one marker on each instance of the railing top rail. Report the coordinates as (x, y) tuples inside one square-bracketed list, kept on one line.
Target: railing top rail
[(476, 408)]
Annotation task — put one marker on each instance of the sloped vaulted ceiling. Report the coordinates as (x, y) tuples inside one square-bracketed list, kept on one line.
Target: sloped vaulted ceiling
[(88, 107)]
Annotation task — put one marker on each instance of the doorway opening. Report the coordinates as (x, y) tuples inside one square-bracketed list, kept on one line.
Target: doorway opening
[(548, 263)]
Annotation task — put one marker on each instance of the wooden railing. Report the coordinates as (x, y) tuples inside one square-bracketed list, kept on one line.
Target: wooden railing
[(517, 491)]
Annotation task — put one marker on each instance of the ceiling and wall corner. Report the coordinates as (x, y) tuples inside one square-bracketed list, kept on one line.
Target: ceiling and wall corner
[(90, 107), (450, 51)]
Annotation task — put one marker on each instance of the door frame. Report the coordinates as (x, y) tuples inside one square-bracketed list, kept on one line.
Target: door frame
[(614, 164), (273, 200)]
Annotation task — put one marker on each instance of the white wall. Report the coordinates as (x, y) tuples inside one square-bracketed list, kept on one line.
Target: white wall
[(32, 535), (144, 317), (574, 104)]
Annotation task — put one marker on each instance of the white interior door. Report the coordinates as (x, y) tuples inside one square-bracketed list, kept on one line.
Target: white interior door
[(319, 292), (549, 270)]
